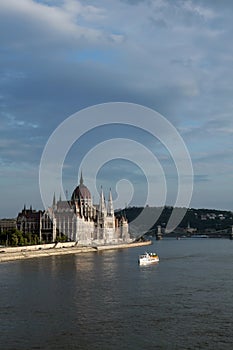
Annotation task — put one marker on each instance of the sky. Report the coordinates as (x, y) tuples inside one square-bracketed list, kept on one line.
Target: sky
[(60, 57)]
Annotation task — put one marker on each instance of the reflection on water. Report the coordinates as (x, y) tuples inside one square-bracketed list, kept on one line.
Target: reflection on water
[(107, 301)]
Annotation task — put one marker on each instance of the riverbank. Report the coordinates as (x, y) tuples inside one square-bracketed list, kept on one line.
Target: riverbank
[(29, 252)]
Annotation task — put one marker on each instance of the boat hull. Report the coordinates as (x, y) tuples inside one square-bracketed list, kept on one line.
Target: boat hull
[(148, 259)]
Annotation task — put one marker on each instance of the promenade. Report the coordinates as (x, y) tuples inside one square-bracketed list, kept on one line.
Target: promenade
[(29, 252)]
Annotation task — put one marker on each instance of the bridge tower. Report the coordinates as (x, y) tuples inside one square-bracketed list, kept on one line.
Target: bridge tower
[(159, 233), (231, 233)]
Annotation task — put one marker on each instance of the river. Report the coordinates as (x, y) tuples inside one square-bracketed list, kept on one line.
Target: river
[(107, 301)]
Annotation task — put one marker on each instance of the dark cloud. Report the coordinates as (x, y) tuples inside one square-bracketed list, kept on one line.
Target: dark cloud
[(135, 2), (201, 178)]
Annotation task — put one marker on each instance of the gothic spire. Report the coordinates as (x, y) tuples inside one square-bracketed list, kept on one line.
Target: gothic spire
[(81, 178), (110, 204), (54, 199), (102, 208)]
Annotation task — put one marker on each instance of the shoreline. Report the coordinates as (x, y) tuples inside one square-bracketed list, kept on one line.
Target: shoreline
[(26, 253)]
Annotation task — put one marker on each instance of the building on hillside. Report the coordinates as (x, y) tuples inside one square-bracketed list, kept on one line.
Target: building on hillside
[(84, 222)]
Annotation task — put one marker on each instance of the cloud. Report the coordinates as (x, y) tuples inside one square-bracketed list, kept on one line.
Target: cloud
[(39, 26), (201, 178), (199, 10), (58, 57), (12, 122)]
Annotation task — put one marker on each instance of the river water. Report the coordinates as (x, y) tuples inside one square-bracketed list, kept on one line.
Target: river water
[(106, 301)]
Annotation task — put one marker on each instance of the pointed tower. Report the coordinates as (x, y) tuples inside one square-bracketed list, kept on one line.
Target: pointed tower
[(110, 210), (102, 207), (81, 178), (54, 200)]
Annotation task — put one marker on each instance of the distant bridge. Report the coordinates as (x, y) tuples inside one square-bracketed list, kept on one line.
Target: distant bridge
[(228, 232)]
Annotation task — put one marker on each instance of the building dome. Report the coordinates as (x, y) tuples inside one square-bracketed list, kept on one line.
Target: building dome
[(81, 192)]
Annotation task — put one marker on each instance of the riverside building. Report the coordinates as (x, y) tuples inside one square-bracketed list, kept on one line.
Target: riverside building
[(82, 221), (7, 224), (29, 221)]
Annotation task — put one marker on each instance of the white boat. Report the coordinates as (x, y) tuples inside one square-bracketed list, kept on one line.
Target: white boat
[(148, 258)]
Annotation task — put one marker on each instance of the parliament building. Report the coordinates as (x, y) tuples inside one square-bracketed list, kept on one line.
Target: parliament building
[(78, 219)]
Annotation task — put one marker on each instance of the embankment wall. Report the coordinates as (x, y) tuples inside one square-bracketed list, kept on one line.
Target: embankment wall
[(26, 252)]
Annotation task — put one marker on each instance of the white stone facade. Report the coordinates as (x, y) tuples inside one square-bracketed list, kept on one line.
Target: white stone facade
[(83, 222)]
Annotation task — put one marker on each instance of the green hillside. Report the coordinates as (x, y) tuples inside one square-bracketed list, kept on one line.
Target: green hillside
[(203, 220)]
